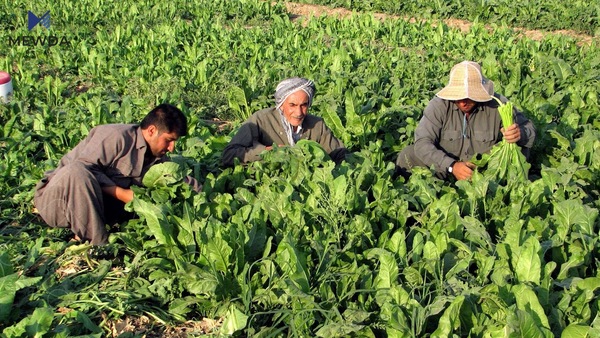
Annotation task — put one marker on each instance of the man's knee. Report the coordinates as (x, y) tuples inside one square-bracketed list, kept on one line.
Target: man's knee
[(406, 158), (405, 162), (70, 184)]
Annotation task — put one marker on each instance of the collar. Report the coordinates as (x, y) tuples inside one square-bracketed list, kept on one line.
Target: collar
[(140, 141), (473, 112)]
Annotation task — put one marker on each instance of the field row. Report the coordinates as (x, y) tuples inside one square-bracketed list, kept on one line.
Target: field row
[(549, 15)]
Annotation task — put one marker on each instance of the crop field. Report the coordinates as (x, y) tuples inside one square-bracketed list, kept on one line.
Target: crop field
[(294, 245)]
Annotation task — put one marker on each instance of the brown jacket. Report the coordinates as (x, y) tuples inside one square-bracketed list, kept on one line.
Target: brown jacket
[(264, 129)]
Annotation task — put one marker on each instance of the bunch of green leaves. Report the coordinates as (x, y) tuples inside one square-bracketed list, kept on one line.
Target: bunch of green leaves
[(166, 207), (505, 162)]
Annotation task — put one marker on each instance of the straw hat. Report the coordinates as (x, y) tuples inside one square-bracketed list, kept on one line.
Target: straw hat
[(467, 82)]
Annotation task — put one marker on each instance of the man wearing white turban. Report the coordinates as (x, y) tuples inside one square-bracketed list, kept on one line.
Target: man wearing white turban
[(462, 120), (284, 124)]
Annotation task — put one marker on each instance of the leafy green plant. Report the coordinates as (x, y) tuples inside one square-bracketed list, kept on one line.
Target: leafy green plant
[(295, 245), (505, 161)]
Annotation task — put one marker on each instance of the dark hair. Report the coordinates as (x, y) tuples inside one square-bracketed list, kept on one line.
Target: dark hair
[(167, 118)]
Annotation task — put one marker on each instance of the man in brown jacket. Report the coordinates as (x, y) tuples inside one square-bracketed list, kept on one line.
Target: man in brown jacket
[(284, 124), (91, 184)]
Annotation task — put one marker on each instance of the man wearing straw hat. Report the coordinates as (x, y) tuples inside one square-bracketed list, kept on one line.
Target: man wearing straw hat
[(284, 125), (462, 120)]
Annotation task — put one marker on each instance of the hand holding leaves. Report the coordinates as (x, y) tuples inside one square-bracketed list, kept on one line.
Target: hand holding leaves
[(463, 170), (512, 134)]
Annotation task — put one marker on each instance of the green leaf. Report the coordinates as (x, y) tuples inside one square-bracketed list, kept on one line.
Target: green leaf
[(236, 97), (573, 212), (563, 142), (586, 146), (183, 306), (526, 261), (333, 121), (338, 195), (431, 255), (5, 265), (9, 285), (476, 232), (528, 301), (575, 331), (293, 262), (186, 226), (198, 281), (575, 260), (397, 244), (156, 219), (523, 324), (40, 322), (430, 252), (450, 320), (162, 175), (218, 253), (353, 122), (588, 284), (88, 323), (387, 275), (235, 320), (8, 289), (338, 330)]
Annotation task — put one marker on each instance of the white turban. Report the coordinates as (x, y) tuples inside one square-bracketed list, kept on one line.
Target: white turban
[(289, 86)]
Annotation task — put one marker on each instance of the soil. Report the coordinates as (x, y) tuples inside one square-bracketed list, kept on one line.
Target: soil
[(146, 327), (298, 11)]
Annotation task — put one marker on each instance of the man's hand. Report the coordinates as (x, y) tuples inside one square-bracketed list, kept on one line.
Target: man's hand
[(123, 195), (512, 134), (271, 147), (463, 170)]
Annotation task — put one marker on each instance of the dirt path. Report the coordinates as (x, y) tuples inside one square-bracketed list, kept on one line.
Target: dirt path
[(298, 10)]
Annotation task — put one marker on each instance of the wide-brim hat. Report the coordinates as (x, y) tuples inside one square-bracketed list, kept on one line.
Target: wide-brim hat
[(467, 82)]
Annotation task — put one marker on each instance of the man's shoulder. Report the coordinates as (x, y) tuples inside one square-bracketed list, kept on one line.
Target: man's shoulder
[(439, 102), (116, 126), (264, 114), (313, 122), (313, 119), (114, 129), (494, 104), (116, 133), (438, 108)]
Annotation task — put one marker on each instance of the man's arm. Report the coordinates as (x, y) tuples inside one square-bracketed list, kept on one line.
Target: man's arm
[(122, 194), (244, 145), (428, 134), (526, 128), (99, 150)]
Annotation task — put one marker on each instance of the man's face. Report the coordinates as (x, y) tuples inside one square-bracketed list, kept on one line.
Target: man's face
[(160, 143), (465, 105), (295, 108)]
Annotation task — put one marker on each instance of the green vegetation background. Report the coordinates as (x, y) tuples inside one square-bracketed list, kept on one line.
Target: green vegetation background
[(219, 61)]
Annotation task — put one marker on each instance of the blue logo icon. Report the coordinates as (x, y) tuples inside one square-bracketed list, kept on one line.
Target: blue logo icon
[(33, 20)]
